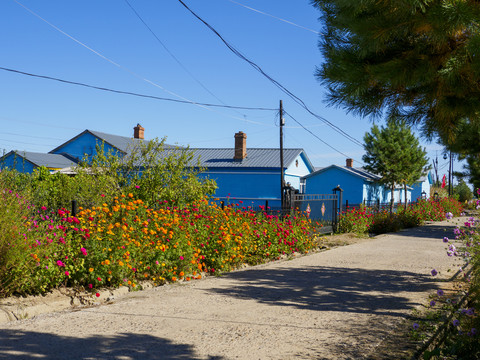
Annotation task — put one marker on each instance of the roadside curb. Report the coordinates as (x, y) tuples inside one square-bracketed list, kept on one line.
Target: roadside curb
[(17, 308)]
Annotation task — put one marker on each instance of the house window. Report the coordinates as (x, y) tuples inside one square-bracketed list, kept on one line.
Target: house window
[(303, 186)]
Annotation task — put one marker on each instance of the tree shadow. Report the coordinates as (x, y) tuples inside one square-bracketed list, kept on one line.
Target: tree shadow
[(429, 232), (16, 345), (381, 292)]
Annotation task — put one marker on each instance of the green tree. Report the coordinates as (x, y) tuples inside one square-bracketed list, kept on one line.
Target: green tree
[(150, 170), (465, 144), (415, 59), (463, 191), (395, 154)]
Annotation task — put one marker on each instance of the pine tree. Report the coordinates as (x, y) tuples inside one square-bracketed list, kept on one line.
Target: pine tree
[(415, 59), (465, 143), (394, 153)]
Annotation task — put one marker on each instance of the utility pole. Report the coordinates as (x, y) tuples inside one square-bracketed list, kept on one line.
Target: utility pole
[(282, 122), (450, 175)]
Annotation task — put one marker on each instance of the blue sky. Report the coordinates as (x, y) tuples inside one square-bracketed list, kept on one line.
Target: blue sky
[(105, 44)]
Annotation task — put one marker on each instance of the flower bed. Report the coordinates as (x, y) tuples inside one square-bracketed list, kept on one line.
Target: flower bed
[(365, 220), (125, 242)]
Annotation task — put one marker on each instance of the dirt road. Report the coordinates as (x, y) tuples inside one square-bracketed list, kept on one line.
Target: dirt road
[(336, 304)]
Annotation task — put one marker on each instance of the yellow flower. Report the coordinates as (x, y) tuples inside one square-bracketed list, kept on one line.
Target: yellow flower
[(91, 269)]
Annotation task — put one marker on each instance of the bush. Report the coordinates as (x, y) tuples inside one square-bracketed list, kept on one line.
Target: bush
[(355, 220), (463, 192), (150, 171), (384, 222)]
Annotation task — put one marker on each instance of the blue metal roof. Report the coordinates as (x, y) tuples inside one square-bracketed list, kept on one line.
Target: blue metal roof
[(256, 158), (122, 143), (360, 172), (52, 161)]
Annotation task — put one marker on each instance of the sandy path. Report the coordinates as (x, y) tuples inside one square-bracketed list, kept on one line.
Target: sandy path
[(337, 304)]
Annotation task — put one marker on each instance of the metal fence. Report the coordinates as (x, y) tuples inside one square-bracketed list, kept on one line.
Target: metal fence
[(376, 206)]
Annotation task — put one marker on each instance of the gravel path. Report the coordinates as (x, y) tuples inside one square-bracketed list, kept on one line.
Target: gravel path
[(336, 304)]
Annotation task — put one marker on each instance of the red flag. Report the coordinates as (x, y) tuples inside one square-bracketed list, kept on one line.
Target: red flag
[(443, 181)]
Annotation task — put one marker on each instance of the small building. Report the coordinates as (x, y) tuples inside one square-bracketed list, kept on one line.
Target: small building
[(253, 175), (421, 189), (27, 162), (359, 186)]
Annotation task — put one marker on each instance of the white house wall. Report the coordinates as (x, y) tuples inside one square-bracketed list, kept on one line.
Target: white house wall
[(296, 170)]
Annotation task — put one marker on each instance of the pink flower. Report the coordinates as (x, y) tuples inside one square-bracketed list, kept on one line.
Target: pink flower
[(43, 208), (137, 187), (102, 195), (97, 294), (90, 286), (67, 273), (60, 263), (181, 257), (84, 251)]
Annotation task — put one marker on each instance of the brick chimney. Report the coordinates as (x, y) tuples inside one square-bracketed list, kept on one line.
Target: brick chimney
[(138, 132), (240, 146), (349, 163)]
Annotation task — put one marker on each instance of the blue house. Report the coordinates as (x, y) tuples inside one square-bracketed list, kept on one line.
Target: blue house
[(251, 175), (27, 162), (421, 189), (358, 185)]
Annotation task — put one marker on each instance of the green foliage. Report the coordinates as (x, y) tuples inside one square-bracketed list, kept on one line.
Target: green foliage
[(126, 242), (365, 220), (53, 191), (411, 59), (150, 171), (463, 191), (357, 221), (394, 153), (464, 142), (13, 210), (385, 222)]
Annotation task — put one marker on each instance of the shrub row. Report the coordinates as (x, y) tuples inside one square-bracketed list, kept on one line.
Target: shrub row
[(365, 220)]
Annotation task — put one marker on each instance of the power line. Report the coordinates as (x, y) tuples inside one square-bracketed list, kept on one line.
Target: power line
[(31, 136), (275, 82), (127, 69), (22, 142), (324, 142), (132, 93), (275, 17), (172, 55)]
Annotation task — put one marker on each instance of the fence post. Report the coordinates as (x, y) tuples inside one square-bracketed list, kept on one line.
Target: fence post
[(339, 198), (222, 203), (266, 207), (74, 207), (346, 203)]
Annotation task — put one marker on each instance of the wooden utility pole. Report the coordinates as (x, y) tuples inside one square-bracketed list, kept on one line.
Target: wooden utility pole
[(450, 176), (282, 122)]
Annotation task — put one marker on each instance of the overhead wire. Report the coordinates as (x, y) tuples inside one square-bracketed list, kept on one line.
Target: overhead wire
[(134, 94), (128, 70), (317, 137), (172, 55), (31, 136), (276, 17), (275, 82)]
